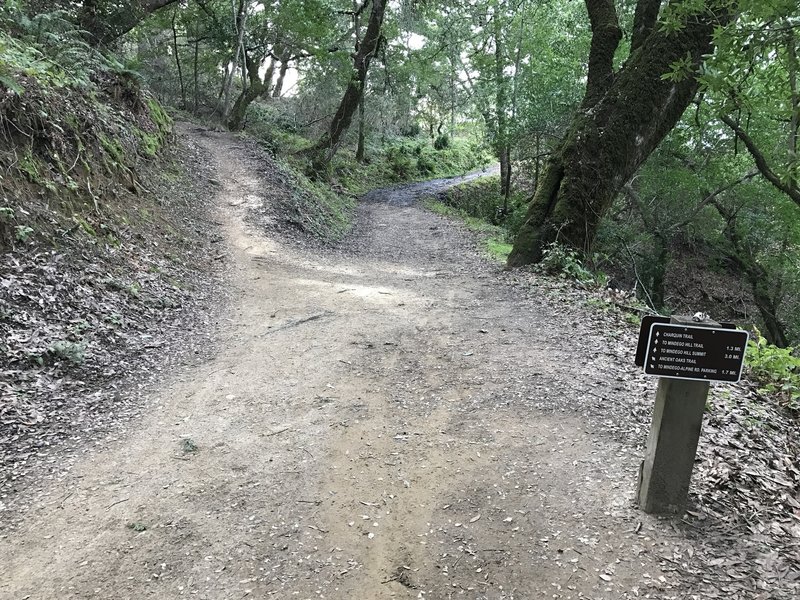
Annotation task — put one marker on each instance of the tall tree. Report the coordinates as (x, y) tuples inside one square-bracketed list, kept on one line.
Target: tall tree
[(624, 115), (324, 150)]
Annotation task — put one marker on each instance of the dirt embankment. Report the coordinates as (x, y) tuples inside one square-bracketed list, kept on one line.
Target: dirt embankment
[(391, 418), (96, 309)]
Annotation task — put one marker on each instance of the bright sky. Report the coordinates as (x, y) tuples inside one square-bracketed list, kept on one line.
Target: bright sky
[(413, 41)]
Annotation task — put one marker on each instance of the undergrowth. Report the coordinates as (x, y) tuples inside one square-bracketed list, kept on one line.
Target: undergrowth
[(73, 125), (315, 208), (777, 370), (400, 159), (325, 208)]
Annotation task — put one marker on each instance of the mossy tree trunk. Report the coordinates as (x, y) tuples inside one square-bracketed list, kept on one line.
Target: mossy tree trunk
[(324, 150), (623, 118)]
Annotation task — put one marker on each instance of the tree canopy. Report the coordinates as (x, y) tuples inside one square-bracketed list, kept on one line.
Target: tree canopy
[(646, 136)]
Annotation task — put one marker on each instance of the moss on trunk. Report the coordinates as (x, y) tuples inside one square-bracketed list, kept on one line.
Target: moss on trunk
[(609, 140)]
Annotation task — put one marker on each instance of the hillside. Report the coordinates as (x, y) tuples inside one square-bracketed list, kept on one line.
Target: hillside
[(106, 253)]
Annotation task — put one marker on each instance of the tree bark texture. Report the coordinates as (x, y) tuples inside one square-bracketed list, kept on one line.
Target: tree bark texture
[(240, 25), (178, 65), (502, 144), (644, 21), (606, 35), (362, 130), (324, 150), (622, 120), (278, 89)]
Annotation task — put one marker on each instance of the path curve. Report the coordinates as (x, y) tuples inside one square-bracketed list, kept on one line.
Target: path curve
[(378, 423), (406, 194)]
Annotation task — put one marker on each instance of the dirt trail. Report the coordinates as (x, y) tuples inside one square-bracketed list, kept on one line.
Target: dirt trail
[(375, 425)]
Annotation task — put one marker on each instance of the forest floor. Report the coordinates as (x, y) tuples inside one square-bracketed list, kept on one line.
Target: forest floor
[(394, 417)]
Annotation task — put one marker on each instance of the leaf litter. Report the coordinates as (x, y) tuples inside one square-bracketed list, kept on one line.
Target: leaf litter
[(87, 326), (736, 540)]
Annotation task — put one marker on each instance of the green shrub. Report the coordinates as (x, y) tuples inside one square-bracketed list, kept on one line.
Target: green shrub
[(776, 369), (442, 142), (275, 129), (515, 219), (411, 130), (478, 198), (402, 165), (426, 165), (565, 262), (23, 232)]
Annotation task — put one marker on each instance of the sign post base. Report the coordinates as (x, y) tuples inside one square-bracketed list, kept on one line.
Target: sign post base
[(672, 445)]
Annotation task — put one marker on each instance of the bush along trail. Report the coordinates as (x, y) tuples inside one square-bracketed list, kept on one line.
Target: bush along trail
[(394, 416)]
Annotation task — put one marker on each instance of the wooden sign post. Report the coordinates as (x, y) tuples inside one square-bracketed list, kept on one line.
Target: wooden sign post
[(686, 355)]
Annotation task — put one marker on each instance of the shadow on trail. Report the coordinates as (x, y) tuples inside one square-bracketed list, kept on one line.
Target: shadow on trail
[(407, 194)]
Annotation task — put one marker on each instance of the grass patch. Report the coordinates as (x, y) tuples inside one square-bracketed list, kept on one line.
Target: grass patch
[(776, 369), (494, 239), (498, 248)]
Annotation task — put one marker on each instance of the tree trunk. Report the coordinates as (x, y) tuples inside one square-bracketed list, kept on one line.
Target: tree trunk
[(196, 77), (622, 120), (362, 126), (767, 300), (278, 90), (324, 150), (505, 175), (644, 20), (502, 148), (794, 120), (256, 89), (656, 272), (178, 59), (239, 24), (774, 329)]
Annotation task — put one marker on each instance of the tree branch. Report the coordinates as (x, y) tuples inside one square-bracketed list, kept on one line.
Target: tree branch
[(104, 30), (644, 20), (606, 35), (761, 161)]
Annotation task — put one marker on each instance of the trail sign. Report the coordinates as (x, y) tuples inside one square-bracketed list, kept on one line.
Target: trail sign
[(644, 335), (699, 353)]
